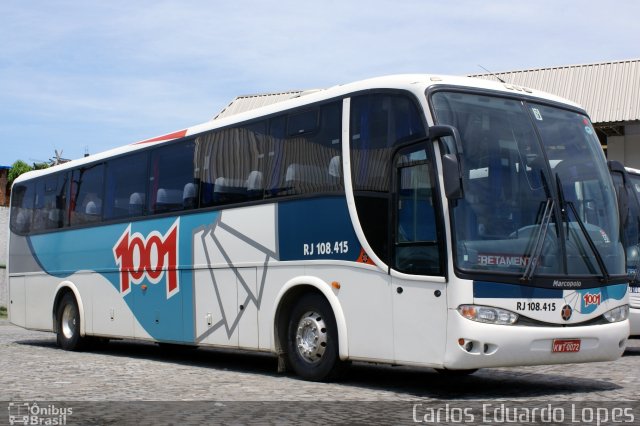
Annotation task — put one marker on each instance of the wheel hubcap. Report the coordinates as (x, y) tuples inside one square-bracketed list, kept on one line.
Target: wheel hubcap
[(311, 337), (68, 321)]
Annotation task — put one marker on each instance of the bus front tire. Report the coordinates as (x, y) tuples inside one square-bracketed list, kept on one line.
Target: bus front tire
[(312, 339), (68, 324)]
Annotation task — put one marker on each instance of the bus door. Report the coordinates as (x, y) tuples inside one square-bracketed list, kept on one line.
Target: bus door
[(418, 283)]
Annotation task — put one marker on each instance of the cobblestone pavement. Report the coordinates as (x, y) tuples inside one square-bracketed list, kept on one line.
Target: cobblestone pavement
[(34, 369)]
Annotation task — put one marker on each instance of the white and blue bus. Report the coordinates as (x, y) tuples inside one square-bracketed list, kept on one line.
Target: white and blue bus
[(420, 220), (627, 183)]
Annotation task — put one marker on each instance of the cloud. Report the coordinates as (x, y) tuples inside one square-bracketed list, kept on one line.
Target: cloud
[(127, 70)]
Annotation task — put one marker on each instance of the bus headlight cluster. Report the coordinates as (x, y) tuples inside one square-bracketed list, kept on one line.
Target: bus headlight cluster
[(488, 314), (620, 313)]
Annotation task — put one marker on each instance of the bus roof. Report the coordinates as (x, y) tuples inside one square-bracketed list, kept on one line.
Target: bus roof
[(416, 83), (632, 170)]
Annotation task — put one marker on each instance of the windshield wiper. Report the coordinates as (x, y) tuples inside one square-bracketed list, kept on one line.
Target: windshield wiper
[(605, 273), (540, 238)]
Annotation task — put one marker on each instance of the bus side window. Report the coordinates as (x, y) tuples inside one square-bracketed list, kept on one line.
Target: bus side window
[(87, 185), (379, 122), (310, 149), (172, 168), (22, 198), (232, 163), (416, 244), (126, 186), (50, 202), (274, 164)]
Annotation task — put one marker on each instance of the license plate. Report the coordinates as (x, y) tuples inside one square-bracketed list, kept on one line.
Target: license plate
[(566, 345)]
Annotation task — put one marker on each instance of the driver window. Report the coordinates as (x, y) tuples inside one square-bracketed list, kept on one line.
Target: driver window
[(416, 238)]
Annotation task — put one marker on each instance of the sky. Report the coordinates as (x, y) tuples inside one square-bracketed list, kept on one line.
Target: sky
[(87, 76)]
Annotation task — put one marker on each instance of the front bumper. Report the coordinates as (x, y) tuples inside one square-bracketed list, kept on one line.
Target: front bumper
[(505, 346)]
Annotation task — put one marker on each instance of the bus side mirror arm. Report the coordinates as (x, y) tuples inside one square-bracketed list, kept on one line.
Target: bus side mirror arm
[(451, 162), (440, 131), (616, 166)]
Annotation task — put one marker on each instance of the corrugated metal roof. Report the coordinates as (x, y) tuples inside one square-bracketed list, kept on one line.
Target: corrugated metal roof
[(609, 91), (249, 102)]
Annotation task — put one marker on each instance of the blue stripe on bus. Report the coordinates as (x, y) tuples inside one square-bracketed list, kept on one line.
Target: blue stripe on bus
[(91, 249), (491, 290), (316, 228), (616, 292), (322, 225)]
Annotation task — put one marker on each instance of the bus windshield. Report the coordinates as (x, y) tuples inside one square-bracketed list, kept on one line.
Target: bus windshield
[(538, 200), (635, 182)]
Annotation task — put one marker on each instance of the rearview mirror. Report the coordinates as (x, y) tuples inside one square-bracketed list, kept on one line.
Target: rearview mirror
[(451, 162), (452, 177)]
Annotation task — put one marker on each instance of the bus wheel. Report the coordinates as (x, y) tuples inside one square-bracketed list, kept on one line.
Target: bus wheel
[(312, 344), (68, 318)]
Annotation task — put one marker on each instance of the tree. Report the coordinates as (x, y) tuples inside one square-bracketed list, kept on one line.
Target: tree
[(17, 168), (40, 166)]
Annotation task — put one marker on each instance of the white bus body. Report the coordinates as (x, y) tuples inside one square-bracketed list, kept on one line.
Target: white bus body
[(627, 182), (318, 229)]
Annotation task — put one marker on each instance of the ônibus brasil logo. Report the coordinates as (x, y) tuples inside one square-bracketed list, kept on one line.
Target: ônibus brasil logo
[(151, 258)]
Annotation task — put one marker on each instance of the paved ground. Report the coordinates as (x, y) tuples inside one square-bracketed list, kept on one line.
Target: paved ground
[(32, 368)]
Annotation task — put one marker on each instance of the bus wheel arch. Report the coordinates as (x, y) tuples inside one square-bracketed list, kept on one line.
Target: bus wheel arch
[(321, 310), (68, 317)]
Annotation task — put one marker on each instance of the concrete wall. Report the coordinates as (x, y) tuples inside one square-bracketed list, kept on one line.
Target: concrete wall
[(626, 149), (4, 229)]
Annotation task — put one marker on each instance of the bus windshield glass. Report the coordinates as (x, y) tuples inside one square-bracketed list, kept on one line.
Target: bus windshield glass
[(538, 200), (635, 182)]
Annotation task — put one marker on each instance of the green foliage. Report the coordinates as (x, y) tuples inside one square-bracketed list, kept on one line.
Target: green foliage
[(18, 168), (40, 166)]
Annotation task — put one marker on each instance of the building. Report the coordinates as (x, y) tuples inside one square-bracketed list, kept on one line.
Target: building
[(248, 102), (609, 91), (4, 186)]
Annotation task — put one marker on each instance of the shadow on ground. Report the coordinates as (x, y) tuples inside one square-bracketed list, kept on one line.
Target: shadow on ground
[(414, 382)]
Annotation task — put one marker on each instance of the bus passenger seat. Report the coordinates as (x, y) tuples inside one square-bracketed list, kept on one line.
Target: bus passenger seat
[(168, 200), (292, 172), (219, 190), (291, 177), (189, 196), (92, 211), (335, 168), (229, 190), (136, 204), (301, 178), (255, 187), (23, 220), (91, 208), (54, 219)]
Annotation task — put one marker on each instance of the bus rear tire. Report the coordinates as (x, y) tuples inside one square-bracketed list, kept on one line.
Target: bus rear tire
[(68, 324), (312, 339)]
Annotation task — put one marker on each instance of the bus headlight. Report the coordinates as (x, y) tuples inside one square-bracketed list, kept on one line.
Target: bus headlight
[(620, 313), (488, 314)]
